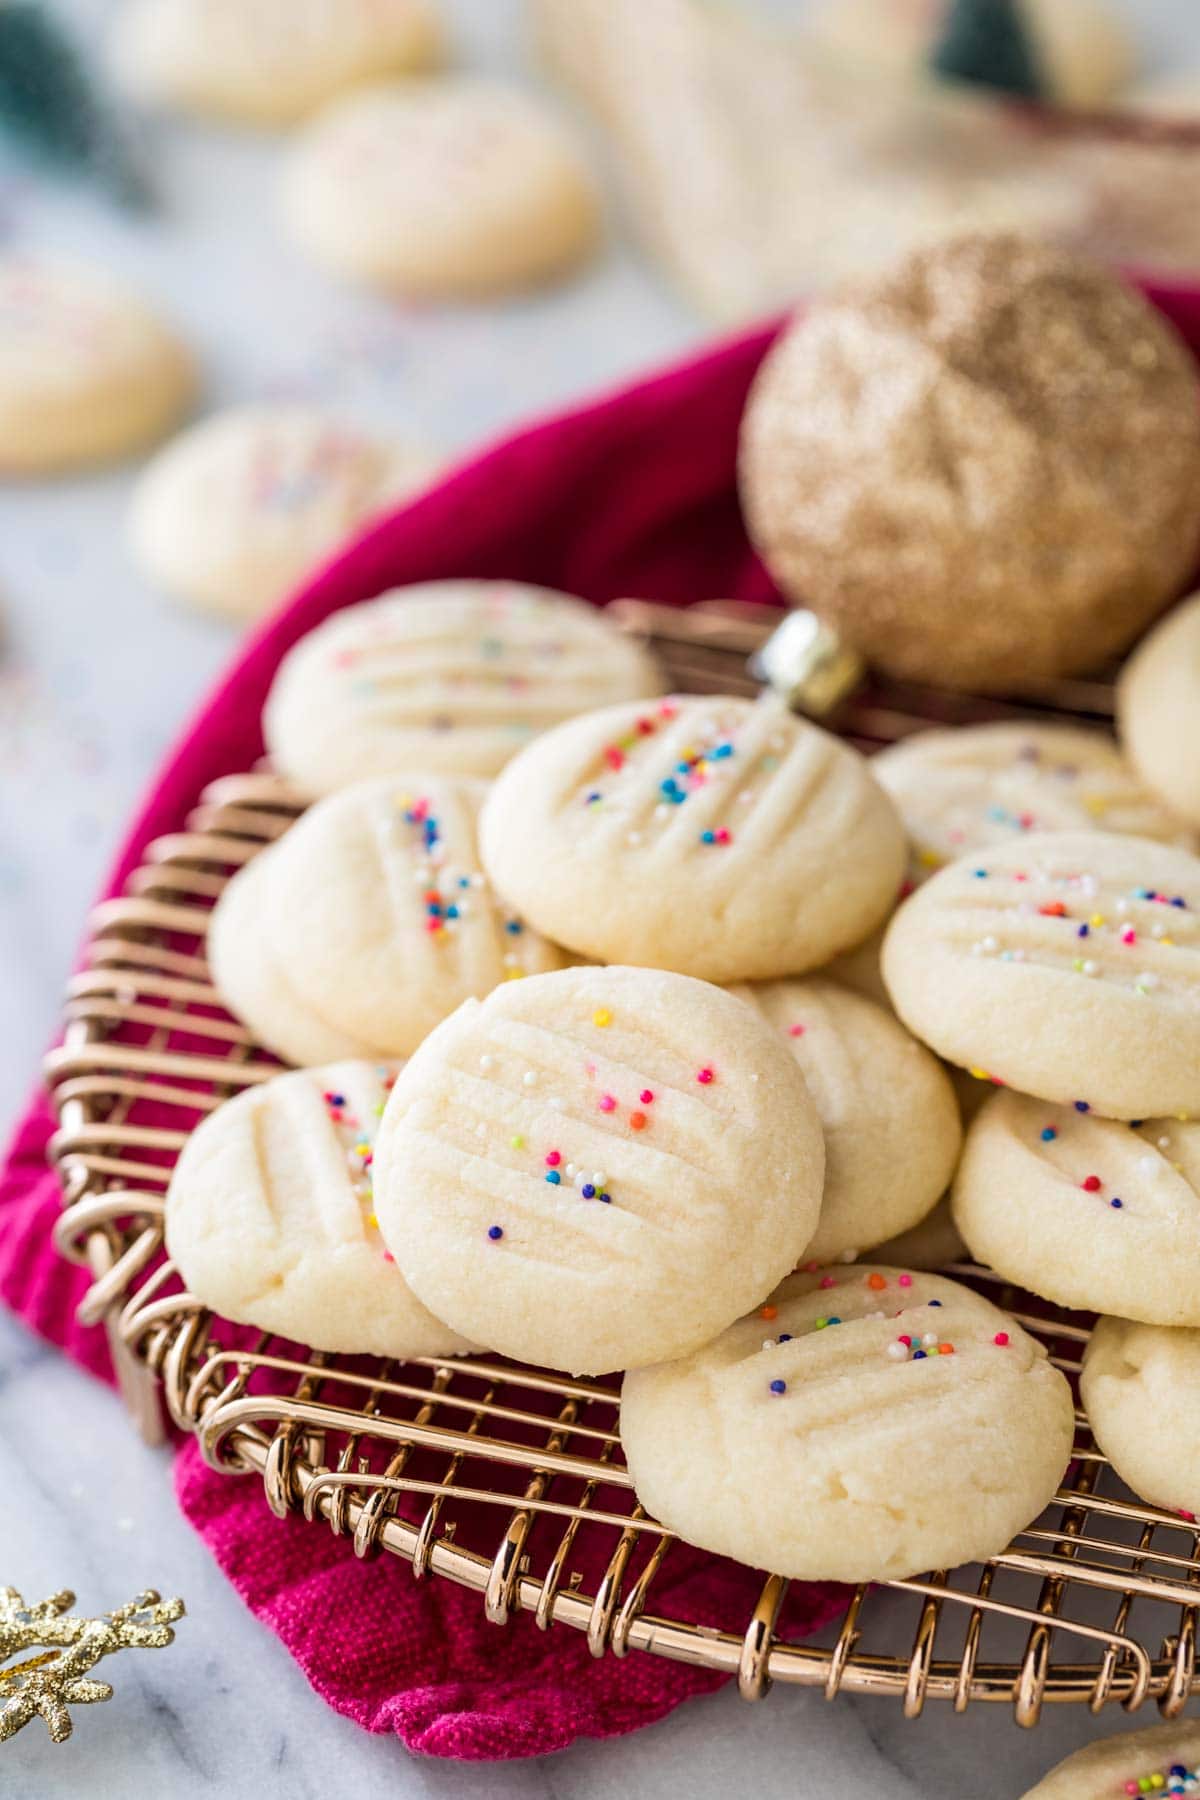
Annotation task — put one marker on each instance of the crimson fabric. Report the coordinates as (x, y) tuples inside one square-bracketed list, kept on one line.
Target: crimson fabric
[(634, 494)]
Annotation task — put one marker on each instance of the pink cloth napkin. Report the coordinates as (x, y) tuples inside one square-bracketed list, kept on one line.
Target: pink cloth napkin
[(634, 494)]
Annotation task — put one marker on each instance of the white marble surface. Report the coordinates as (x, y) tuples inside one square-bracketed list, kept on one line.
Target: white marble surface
[(96, 676)]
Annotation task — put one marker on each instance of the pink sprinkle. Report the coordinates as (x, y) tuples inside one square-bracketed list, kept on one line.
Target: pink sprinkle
[(388, 1257), (1129, 935), (607, 1103), (810, 1268), (904, 1338), (723, 836), (827, 1281), (1001, 1338), (553, 1158), (904, 1281), (646, 1096), (704, 1076), (1190, 1517), (1091, 1184), (795, 1030)]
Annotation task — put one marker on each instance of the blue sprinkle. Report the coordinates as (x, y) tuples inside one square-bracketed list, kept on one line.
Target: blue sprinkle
[(588, 1191), (1117, 1203), (1084, 931), (452, 912), (607, 1199), (683, 767), (1049, 1134), (785, 1337), (495, 1231), (1179, 901), (935, 1303), (708, 837), (918, 1356), (980, 874), (464, 881), (513, 927), (553, 1177), (1082, 1106), (833, 1321), (594, 796), (337, 1099), (779, 1387), (721, 752)]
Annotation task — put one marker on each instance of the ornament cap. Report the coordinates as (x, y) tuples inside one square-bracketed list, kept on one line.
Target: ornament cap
[(808, 665)]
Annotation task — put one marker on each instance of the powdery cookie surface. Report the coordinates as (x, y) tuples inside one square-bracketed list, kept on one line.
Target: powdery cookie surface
[(1121, 1765), (378, 918), (1141, 1387), (237, 510), (456, 187), (1066, 966), (812, 1439), (267, 62), (722, 838), (450, 675), (973, 786), (271, 1222), (1158, 709), (1086, 1211), (598, 1168), (88, 371), (886, 1106)]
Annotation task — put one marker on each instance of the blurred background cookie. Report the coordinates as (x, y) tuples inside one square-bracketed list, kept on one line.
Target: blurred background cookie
[(1158, 710)]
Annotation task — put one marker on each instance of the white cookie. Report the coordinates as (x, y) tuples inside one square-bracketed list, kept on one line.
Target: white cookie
[(886, 1106), (87, 371), (267, 62), (866, 1425), (379, 919), (1085, 1211), (1141, 1388), (1165, 1756), (449, 675), (231, 515), (722, 838), (1158, 709), (270, 1218), (598, 1168), (454, 188), (977, 785), (1066, 966)]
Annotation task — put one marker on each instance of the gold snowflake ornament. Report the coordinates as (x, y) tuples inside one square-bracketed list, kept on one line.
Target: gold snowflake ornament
[(64, 1649)]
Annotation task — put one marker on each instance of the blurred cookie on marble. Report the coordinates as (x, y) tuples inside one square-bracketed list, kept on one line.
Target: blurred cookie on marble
[(455, 188), (1161, 1760), (238, 510), (1158, 709)]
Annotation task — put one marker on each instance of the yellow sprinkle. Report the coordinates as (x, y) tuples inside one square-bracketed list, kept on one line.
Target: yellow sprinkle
[(513, 974), (929, 859), (1095, 804), (518, 1143), (372, 1218), (602, 1017), (979, 1074), (1097, 919), (1169, 941)]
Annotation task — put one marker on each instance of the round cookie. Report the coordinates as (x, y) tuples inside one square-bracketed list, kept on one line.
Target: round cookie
[(867, 1425), (1086, 1211), (87, 371), (718, 837), (598, 1168), (379, 917), (232, 514), (270, 1218), (448, 675), (1141, 1388), (456, 188), (1158, 706), (267, 62), (1066, 966), (918, 449), (886, 1106), (1165, 1756), (973, 786)]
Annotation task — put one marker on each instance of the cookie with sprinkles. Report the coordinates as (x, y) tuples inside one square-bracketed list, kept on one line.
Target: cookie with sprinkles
[(1159, 1761), (1141, 1388), (267, 62), (1087, 1211), (598, 1168), (446, 675), (88, 371), (868, 1423), (270, 1217), (377, 916), (978, 785), (1065, 965), (235, 511), (717, 837), (886, 1106), (1158, 704)]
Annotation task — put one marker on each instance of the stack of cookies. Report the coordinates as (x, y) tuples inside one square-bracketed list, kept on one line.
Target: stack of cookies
[(647, 1123)]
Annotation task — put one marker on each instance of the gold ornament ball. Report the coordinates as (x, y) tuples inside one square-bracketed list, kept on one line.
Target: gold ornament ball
[(982, 467)]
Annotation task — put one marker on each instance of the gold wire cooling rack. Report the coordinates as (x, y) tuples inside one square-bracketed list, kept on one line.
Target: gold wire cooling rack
[(510, 1480)]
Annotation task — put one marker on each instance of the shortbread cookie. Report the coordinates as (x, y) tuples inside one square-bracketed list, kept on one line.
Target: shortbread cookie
[(449, 675), (978, 785), (455, 188), (377, 915), (718, 837), (1160, 1761), (1066, 966), (866, 1424), (1086, 1211), (598, 1168), (1141, 1388), (886, 1106), (267, 62), (234, 513), (933, 1243), (1158, 709), (87, 371), (270, 1218)]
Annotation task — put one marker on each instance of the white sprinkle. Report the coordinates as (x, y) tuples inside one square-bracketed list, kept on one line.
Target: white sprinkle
[(1150, 1165), (599, 1177), (990, 943), (1122, 906), (486, 1062), (898, 1352), (1164, 1143), (478, 881), (930, 1337), (768, 1343), (509, 959), (848, 1256), (1091, 968), (662, 811), (530, 1078), (1146, 981), (633, 839), (571, 1171)]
